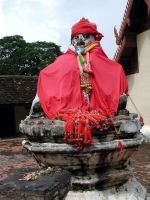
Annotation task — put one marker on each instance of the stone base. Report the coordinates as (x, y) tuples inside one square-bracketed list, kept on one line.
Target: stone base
[(46, 187), (130, 190), (146, 131)]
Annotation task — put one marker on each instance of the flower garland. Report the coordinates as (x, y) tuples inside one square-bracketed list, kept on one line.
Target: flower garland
[(79, 124), (85, 69)]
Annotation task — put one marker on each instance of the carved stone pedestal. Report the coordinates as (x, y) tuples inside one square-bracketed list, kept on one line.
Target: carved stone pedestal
[(99, 171)]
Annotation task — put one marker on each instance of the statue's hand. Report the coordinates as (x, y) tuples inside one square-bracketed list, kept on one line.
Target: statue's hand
[(122, 102), (122, 105)]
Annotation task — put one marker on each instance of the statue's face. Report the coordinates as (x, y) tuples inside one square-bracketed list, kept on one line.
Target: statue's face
[(82, 40)]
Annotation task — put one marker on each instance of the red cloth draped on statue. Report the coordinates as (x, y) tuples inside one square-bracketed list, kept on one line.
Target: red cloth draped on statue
[(59, 84)]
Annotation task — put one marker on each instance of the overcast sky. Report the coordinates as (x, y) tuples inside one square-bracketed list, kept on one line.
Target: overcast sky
[(51, 20)]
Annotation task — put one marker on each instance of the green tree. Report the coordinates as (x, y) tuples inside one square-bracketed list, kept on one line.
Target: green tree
[(17, 57)]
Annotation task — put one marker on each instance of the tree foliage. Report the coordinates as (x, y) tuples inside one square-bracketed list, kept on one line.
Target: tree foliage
[(17, 57)]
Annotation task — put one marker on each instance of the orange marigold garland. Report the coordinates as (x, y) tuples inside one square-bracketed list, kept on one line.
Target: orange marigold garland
[(79, 124)]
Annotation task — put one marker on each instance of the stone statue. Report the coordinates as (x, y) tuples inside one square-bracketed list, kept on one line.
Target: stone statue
[(79, 122), (82, 78)]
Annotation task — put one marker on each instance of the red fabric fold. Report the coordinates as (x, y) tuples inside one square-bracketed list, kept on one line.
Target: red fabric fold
[(59, 84)]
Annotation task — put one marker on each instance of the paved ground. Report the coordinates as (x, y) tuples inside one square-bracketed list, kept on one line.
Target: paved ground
[(13, 157)]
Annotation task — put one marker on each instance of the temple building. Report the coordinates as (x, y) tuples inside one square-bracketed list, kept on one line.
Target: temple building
[(16, 96), (133, 40)]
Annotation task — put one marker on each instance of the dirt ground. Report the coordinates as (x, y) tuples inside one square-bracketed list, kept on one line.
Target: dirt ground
[(13, 156)]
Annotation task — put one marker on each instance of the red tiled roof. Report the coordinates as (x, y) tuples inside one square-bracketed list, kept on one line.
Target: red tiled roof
[(17, 89)]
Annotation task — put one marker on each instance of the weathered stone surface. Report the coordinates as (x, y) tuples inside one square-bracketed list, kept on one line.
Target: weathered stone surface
[(130, 190), (42, 129), (92, 161), (123, 112), (131, 126), (99, 166), (106, 178), (46, 187)]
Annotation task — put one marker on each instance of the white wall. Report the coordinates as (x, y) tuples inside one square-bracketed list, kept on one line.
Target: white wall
[(139, 84)]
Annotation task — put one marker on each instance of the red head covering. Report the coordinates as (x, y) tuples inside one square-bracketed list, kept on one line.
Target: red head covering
[(84, 26)]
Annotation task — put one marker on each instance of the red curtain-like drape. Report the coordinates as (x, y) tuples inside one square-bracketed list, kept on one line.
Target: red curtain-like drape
[(59, 84)]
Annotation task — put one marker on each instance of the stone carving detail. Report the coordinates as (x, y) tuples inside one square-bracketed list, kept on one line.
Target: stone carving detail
[(118, 41)]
